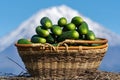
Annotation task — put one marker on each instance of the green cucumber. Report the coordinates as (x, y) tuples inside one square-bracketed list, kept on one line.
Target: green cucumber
[(68, 35), (83, 28), (46, 22), (70, 26), (62, 21), (90, 35), (38, 39), (50, 39), (42, 32), (23, 41), (77, 20), (56, 30)]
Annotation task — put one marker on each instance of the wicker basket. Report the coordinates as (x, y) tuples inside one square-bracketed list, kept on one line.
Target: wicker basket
[(62, 61)]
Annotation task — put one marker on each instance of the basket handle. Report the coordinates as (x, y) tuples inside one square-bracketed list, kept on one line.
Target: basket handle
[(61, 44), (50, 46), (66, 47)]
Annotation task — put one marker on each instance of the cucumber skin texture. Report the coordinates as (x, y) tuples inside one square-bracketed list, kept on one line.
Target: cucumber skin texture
[(50, 39), (83, 28), (68, 35), (36, 39), (42, 32), (38, 28), (90, 35), (70, 26), (46, 22), (23, 41), (77, 20), (62, 21), (56, 30)]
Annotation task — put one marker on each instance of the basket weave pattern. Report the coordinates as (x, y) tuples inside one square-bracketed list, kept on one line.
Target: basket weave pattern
[(47, 61)]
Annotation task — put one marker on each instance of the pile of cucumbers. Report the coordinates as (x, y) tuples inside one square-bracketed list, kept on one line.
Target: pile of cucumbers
[(51, 33)]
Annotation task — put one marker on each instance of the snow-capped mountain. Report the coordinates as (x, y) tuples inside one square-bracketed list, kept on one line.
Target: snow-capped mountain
[(27, 29)]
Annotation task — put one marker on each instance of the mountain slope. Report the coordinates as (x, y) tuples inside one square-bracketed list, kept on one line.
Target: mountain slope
[(27, 29)]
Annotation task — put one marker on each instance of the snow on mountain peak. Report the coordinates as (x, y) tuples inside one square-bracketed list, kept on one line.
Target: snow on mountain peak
[(27, 28)]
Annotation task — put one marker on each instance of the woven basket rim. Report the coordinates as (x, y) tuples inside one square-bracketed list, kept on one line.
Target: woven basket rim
[(102, 41)]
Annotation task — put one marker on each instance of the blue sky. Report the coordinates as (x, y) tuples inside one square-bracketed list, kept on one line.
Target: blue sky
[(14, 12)]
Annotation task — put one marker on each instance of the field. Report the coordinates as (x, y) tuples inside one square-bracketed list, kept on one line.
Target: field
[(84, 75)]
